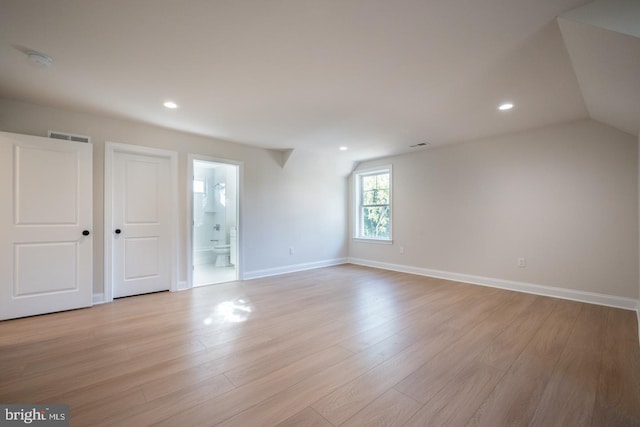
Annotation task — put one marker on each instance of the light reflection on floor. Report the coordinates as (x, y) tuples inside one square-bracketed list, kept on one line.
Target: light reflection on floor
[(235, 311)]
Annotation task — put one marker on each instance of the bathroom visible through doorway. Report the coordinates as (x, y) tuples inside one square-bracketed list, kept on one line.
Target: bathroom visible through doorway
[(215, 222)]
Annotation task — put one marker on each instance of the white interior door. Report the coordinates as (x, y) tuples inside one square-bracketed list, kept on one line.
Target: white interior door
[(141, 224), (45, 225)]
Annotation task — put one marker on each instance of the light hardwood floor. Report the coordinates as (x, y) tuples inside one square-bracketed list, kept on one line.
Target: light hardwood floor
[(344, 345)]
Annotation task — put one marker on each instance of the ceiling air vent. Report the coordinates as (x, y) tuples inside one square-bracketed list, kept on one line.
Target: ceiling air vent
[(421, 144), (69, 136)]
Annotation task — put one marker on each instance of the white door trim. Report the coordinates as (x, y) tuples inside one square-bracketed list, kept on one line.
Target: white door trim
[(110, 148), (240, 164)]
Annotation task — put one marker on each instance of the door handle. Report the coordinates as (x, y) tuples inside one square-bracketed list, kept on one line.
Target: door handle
[(85, 233), (118, 231)]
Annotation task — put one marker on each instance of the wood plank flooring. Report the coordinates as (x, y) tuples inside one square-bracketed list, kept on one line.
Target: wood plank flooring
[(338, 346)]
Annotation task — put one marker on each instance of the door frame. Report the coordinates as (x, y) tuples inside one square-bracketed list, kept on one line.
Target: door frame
[(240, 196), (110, 148)]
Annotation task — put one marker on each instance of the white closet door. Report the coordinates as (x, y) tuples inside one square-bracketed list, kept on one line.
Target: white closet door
[(45, 225), (141, 224)]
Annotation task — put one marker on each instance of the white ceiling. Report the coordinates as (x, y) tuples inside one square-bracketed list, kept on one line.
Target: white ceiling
[(374, 75)]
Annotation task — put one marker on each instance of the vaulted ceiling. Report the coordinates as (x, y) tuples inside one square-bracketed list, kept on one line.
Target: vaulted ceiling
[(603, 40), (374, 75)]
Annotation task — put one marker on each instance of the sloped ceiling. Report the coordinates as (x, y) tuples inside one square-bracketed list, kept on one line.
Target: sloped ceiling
[(603, 40), (374, 75)]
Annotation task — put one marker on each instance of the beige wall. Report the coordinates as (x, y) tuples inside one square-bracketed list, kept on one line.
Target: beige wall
[(563, 197), (302, 205)]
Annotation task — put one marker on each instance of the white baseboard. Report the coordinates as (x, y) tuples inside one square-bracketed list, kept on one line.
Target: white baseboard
[(98, 299), (182, 285), (530, 288), (638, 315), (248, 275)]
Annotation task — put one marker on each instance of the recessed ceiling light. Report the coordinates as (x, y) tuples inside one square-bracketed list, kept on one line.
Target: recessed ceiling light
[(343, 148), (506, 106), (171, 104)]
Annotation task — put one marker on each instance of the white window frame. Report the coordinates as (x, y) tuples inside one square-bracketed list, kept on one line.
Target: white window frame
[(357, 185)]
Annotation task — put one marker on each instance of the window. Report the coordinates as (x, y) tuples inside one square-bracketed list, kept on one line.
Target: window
[(373, 204), (198, 186)]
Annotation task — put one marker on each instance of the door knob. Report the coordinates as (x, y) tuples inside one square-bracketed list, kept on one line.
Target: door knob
[(118, 231), (86, 233)]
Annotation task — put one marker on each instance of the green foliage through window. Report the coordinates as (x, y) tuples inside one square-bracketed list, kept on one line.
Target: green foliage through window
[(374, 205)]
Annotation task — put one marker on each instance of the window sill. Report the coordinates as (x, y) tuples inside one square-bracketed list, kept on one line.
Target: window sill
[(376, 241)]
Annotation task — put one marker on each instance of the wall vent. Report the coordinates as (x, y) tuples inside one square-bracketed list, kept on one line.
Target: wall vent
[(69, 136)]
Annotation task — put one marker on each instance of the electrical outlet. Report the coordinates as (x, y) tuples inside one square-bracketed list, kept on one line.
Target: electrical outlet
[(291, 251), (521, 262), (401, 249)]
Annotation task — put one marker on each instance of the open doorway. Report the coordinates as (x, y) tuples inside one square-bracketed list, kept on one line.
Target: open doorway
[(215, 217)]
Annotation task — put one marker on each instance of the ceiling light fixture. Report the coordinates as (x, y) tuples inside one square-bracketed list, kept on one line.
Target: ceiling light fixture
[(343, 148), (506, 106), (39, 59), (170, 104)]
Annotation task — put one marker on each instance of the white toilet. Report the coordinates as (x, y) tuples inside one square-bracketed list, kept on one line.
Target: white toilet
[(222, 255), (225, 254)]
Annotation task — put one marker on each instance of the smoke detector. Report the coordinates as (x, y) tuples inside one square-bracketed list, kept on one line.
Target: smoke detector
[(40, 59)]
